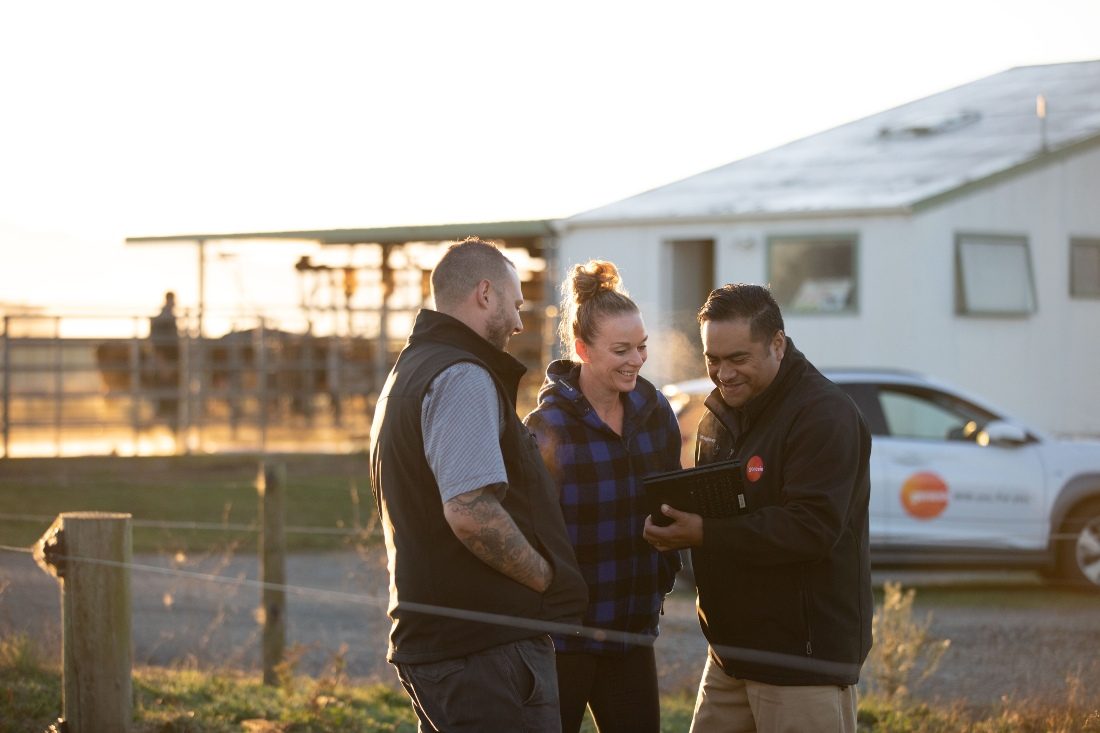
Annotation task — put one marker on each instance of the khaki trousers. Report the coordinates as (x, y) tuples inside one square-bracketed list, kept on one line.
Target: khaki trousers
[(730, 705)]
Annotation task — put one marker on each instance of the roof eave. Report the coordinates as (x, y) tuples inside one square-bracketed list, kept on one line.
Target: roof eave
[(756, 216), (524, 229)]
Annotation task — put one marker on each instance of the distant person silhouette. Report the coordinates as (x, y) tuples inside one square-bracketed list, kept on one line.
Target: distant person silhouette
[(165, 341)]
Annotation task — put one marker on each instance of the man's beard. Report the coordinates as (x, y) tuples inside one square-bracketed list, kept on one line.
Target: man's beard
[(497, 330)]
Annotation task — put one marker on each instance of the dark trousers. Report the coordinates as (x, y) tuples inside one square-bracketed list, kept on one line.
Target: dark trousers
[(620, 690), (511, 687)]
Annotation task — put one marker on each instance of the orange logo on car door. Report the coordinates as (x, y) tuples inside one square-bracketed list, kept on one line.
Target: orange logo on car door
[(924, 495)]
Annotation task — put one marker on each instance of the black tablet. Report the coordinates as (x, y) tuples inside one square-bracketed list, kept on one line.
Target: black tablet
[(711, 491)]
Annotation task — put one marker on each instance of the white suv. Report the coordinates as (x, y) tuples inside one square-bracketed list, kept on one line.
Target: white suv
[(956, 482)]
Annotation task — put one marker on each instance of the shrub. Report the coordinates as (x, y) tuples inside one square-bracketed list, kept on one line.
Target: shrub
[(904, 652)]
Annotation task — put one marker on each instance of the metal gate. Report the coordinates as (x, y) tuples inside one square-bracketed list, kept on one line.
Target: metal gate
[(252, 389)]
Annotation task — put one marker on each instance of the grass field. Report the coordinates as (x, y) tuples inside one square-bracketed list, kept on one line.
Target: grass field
[(323, 492), (187, 701)]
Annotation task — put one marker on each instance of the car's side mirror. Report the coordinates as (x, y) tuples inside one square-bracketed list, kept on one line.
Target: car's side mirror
[(999, 432)]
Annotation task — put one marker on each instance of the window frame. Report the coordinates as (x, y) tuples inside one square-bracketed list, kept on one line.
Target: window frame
[(961, 306), (854, 241), (1074, 243)]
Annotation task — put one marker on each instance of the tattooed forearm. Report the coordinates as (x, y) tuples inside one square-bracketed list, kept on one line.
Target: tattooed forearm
[(481, 523)]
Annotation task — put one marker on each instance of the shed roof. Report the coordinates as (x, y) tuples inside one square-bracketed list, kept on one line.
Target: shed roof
[(901, 159), (509, 230)]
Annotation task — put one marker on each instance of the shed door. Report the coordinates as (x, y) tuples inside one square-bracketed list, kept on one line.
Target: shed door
[(689, 264)]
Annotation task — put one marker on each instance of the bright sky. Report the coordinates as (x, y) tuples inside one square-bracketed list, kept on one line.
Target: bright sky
[(144, 118)]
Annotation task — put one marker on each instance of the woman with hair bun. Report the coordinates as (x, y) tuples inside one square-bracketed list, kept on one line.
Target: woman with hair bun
[(601, 427)]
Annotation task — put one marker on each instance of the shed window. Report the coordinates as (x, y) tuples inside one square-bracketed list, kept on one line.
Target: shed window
[(993, 276), (813, 274), (1084, 268)]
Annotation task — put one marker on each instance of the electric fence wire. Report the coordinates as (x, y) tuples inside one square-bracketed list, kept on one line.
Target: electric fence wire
[(755, 656)]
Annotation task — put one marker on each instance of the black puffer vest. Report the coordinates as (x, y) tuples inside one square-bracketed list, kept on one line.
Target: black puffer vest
[(430, 569)]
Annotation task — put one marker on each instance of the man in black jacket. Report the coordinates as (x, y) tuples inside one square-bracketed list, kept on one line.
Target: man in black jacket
[(784, 588), (480, 563)]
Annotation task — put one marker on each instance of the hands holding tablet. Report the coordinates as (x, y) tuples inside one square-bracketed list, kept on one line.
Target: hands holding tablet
[(685, 530)]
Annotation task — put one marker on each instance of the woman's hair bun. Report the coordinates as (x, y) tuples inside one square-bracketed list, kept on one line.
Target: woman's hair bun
[(593, 277), (590, 293)]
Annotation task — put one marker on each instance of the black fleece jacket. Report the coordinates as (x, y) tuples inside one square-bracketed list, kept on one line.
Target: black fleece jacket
[(785, 591)]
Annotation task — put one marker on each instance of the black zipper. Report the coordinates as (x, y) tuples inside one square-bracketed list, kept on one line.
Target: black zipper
[(805, 599)]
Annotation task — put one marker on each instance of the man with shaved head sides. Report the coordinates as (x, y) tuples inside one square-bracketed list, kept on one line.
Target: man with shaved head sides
[(478, 555)]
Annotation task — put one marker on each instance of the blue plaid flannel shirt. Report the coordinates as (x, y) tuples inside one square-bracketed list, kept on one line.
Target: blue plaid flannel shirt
[(600, 475)]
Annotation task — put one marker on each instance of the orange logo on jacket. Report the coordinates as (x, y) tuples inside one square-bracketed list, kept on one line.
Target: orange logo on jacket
[(754, 469), (924, 495)]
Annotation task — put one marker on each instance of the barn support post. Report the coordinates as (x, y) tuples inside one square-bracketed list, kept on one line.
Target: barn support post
[(6, 405), (134, 383), (262, 377), (58, 387), (90, 553), (382, 356), (271, 486)]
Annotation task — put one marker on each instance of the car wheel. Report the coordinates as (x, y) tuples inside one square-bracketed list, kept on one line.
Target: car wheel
[(1079, 548)]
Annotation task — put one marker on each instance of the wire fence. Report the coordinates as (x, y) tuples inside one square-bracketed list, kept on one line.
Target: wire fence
[(200, 607), (160, 392), (997, 526), (102, 384), (318, 595), (206, 526), (206, 618), (200, 611)]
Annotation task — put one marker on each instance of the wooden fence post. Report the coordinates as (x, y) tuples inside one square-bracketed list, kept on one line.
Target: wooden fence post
[(271, 485), (90, 553)]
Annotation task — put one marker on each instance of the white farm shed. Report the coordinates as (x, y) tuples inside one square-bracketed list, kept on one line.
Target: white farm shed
[(957, 235)]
